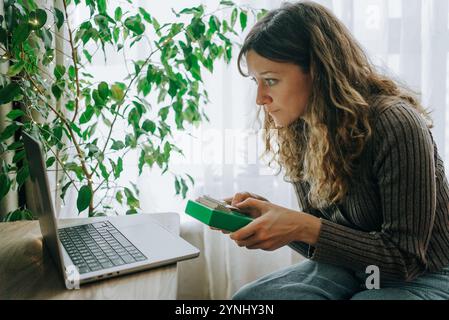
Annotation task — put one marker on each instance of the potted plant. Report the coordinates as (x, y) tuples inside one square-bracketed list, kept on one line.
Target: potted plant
[(60, 104)]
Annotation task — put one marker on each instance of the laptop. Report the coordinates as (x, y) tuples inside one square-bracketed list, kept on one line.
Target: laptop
[(86, 252)]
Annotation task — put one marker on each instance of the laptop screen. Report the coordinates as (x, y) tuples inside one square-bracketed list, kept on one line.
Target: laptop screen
[(41, 203)]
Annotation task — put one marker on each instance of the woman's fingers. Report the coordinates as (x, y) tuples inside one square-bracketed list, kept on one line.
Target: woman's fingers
[(228, 200), (239, 197), (216, 229), (252, 206)]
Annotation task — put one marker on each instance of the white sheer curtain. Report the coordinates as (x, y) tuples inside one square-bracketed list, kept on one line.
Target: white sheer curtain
[(408, 39)]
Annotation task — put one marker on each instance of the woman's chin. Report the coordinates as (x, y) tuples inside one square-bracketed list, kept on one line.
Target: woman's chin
[(280, 123)]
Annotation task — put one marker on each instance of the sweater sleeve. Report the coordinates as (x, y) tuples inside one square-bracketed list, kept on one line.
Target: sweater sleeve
[(405, 172), (303, 248)]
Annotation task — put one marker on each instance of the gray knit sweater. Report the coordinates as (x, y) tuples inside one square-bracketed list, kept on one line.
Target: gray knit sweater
[(396, 212)]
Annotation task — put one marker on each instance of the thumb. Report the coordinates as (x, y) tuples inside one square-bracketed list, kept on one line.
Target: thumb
[(251, 203)]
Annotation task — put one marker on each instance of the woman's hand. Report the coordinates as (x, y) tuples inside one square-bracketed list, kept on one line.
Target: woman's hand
[(237, 198), (242, 196), (275, 226)]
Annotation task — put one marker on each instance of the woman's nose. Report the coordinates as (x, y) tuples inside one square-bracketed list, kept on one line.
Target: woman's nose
[(263, 97)]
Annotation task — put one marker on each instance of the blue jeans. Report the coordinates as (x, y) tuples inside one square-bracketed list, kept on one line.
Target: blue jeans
[(310, 280)]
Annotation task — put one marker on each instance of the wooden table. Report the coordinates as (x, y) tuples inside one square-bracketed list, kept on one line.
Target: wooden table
[(27, 271)]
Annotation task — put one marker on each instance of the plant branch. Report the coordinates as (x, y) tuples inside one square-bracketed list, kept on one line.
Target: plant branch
[(75, 61)]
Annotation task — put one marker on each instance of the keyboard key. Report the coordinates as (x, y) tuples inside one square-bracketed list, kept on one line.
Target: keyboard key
[(117, 261), (107, 265), (139, 257), (122, 240), (83, 270), (127, 258), (95, 267)]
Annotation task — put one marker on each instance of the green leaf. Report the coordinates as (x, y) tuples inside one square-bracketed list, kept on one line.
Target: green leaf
[(227, 3), (101, 6), (57, 91), (234, 17), (149, 126), (99, 101), (87, 115), (130, 141), (116, 34), (141, 161), (87, 55), (119, 196), (163, 112), (197, 28), (50, 161), (9, 131), (84, 197), (57, 132), (243, 19), (46, 36), (145, 15), (118, 13), (191, 179), (196, 11), (59, 71), (48, 57), (15, 145), (184, 188), (93, 150), (167, 148), (72, 73), (64, 189), (214, 24), (132, 201), (8, 93), (103, 90), (3, 35), (5, 185), (117, 92), (104, 172), (177, 186), (76, 129), (117, 145), (37, 19), (15, 68), (118, 168), (135, 25), (14, 114), (19, 215), (59, 15), (70, 105), (18, 156), (173, 88)]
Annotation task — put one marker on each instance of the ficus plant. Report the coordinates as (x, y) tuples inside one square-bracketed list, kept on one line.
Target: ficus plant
[(60, 104)]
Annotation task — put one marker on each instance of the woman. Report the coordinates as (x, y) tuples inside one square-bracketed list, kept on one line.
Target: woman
[(367, 173)]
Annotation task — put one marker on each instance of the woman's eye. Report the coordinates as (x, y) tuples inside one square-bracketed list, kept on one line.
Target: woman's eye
[(270, 82)]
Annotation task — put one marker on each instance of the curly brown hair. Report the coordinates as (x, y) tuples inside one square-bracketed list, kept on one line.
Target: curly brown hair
[(323, 145)]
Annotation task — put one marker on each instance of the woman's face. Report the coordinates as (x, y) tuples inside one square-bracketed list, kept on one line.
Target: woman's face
[(283, 89)]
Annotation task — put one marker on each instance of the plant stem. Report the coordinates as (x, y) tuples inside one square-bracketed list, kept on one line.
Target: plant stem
[(75, 62)]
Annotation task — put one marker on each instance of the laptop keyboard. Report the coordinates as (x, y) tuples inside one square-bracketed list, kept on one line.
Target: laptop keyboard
[(98, 246)]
